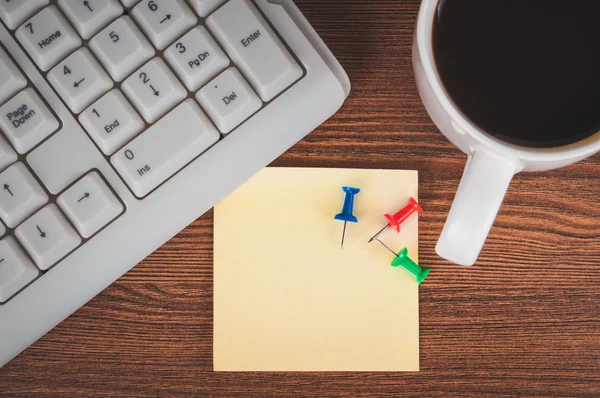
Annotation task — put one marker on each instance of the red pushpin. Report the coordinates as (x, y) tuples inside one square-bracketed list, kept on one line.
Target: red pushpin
[(398, 218)]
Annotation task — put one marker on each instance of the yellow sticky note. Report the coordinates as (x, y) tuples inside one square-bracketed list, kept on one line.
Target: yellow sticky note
[(288, 298)]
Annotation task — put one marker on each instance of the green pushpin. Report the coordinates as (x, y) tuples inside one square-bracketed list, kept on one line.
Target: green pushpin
[(407, 263)]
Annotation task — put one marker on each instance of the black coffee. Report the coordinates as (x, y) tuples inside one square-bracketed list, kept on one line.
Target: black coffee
[(525, 71)]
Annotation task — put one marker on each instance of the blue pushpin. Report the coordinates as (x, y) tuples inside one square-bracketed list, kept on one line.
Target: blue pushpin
[(346, 215)]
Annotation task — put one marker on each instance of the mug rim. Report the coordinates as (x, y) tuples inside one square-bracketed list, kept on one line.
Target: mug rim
[(424, 35)]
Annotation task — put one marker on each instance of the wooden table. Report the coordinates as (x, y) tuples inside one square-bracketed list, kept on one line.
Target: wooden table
[(525, 320)]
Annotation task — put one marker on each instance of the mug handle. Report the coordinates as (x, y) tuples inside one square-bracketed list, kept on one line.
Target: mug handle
[(477, 201)]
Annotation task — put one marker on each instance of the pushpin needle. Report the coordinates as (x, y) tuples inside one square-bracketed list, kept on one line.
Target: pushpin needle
[(379, 233), (398, 218), (385, 246), (346, 215), (344, 234)]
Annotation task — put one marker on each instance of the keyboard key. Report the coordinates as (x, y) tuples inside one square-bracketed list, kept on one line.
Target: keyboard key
[(205, 7), (229, 100), (48, 38), (15, 12), (89, 16), (154, 90), (90, 204), (129, 3), (80, 80), (196, 58), (11, 79), (16, 269), (163, 21), (165, 148), (7, 154), (254, 47), (112, 121), (47, 236), (121, 48), (26, 120), (20, 196)]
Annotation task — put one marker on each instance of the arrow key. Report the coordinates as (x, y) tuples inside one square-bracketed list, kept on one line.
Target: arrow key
[(47, 236), (20, 194), (16, 269), (90, 204), (80, 80), (89, 16)]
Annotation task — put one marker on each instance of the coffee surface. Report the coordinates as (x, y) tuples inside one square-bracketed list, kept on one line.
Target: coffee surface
[(524, 71)]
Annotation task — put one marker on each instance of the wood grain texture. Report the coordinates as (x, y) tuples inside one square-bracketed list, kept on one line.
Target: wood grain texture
[(524, 321)]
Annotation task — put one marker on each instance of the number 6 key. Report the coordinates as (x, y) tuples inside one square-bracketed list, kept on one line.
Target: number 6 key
[(163, 21)]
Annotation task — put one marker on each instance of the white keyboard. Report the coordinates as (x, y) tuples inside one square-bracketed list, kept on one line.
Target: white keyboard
[(123, 121)]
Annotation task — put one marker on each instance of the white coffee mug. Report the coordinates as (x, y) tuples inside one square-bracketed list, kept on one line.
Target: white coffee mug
[(491, 163)]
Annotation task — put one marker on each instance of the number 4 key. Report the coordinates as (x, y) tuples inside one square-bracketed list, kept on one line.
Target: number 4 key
[(80, 80)]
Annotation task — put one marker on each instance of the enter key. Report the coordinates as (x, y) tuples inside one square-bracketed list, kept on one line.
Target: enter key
[(253, 46)]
